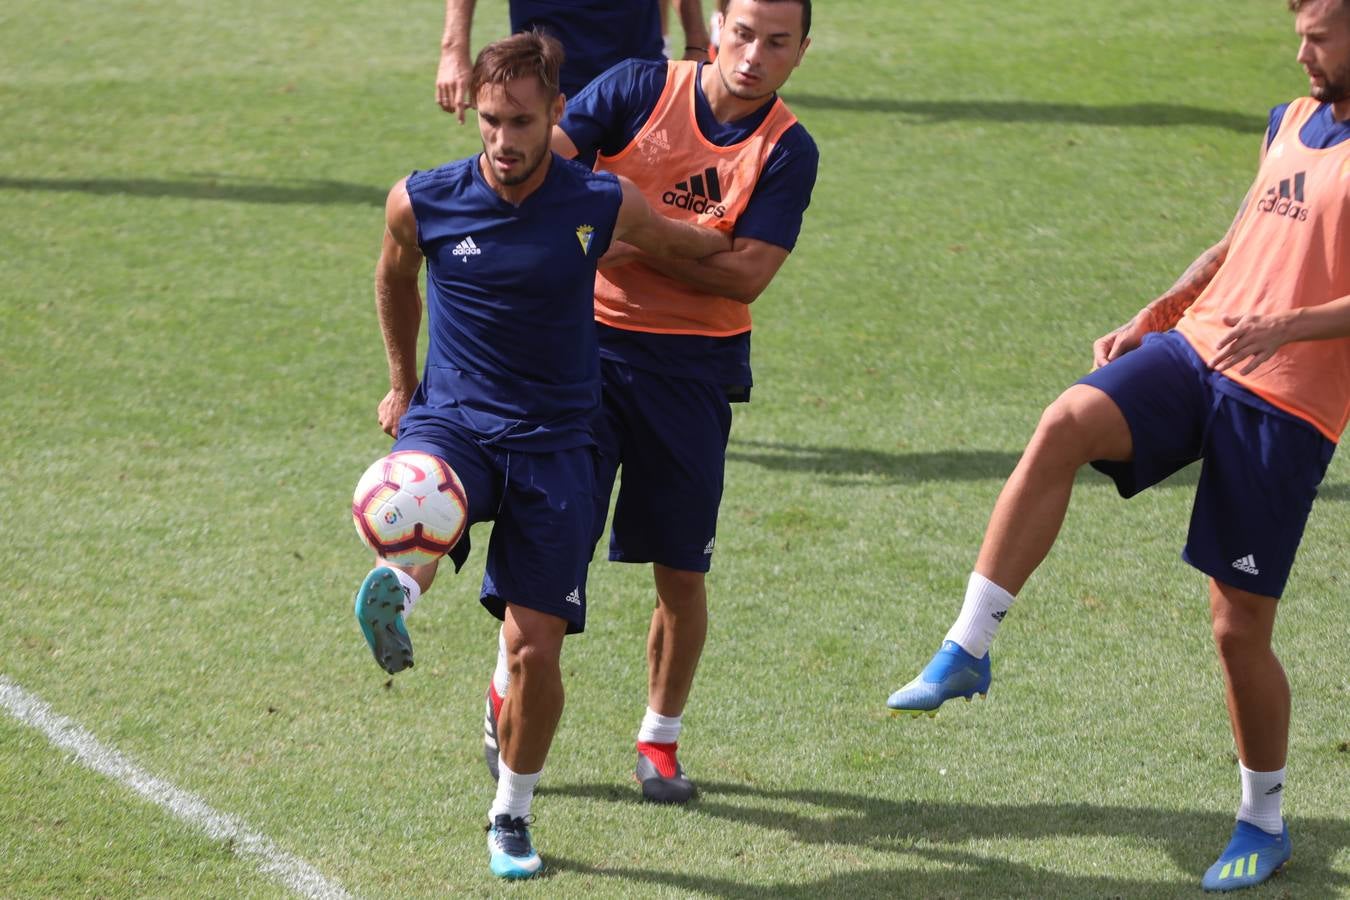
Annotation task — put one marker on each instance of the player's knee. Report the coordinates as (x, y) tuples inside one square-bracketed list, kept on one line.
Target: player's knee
[(527, 657), (1080, 426), (1239, 636), (678, 588)]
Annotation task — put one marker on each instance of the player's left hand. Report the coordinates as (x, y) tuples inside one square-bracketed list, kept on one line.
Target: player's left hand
[(620, 253), (1251, 337)]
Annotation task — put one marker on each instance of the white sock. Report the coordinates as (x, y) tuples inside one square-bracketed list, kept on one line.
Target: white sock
[(501, 676), (411, 590), (1262, 795), (659, 729), (515, 793), (982, 612)]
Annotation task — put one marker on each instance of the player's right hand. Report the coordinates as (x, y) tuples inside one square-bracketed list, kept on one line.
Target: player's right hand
[(452, 83), (1117, 343), (392, 408)]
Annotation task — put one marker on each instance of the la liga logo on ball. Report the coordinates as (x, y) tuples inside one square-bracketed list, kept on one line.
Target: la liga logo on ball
[(409, 508)]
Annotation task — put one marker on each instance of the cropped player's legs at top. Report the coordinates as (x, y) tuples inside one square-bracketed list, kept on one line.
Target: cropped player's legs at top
[(1257, 693), (1257, 690), (675, 640), (527, 720), (1081, 426)]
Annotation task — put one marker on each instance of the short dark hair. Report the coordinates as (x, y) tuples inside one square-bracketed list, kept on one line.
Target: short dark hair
[(806, 12), (529, 54)]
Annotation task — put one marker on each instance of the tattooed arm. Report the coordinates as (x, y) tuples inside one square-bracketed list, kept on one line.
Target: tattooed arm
[(1166, 311)]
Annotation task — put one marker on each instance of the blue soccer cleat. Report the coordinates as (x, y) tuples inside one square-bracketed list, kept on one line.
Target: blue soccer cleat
[(951, 673), (1252, 856), (378, 604), (510, 852)]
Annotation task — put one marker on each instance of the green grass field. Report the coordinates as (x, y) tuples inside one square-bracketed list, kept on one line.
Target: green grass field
[(190, 210)]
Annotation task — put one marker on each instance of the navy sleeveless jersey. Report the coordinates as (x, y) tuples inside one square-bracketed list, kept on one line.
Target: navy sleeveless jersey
[(512, 353), (595, 34), (606, 117)]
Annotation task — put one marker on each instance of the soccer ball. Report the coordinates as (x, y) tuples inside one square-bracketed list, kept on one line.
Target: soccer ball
[(409, 508)]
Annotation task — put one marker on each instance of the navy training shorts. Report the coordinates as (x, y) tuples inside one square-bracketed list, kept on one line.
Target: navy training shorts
[(670, 437), (1261, 465), (541, 506)]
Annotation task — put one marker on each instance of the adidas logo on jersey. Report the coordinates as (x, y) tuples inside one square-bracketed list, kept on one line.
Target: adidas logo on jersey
[(1247, 564), (466, 248), (700, 194), (1286, 199), (574, 597)]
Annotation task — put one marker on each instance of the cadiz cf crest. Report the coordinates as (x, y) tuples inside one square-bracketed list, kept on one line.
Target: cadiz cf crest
[(584, 234)]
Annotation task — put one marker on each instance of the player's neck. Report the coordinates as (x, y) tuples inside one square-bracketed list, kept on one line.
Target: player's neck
[(726, 106), (1340, 110), (515, 194)]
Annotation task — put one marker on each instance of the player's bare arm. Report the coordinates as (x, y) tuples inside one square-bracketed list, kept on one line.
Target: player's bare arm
[(1255, 338), (742, 273), (695, 29), (1166, 311), (561, 144), (455, 69), (398, 303), (655, 234)]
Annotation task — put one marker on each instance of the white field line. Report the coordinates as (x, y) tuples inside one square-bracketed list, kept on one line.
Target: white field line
[(286, 868)]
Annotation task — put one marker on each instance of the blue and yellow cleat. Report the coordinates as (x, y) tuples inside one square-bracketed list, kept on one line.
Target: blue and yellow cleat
[(378, 604), (1252, 856), (951, 673), (510, 852)]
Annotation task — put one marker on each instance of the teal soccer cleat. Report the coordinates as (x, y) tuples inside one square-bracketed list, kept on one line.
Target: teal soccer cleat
[(510, 852), (951, 673), (1253, 855), (378, 604)]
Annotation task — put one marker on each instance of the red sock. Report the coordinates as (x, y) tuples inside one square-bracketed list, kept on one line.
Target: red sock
[(661, 755)]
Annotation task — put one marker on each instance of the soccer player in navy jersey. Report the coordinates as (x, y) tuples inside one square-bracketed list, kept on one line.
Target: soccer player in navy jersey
[(595, 35), (674, 334), (511, 238)]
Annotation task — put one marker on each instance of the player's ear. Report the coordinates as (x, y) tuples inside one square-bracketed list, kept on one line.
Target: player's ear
[(555, 112), (806, 42)]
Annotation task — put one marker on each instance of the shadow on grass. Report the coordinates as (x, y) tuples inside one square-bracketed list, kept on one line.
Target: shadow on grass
[(942, 834), (209, 187), (846, 465), (1148, 115)]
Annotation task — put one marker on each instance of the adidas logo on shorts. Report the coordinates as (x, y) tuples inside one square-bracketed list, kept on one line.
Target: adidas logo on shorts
[(574, 597), (1247, 564)]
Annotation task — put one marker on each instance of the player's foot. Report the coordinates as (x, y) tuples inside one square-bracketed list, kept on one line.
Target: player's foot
[(1253, 855), (661, 775), (378, 604), (952, 672), (510, 852), (492, 709)]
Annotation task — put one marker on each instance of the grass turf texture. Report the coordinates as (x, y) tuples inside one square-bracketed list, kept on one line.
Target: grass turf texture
[(192, 207)]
